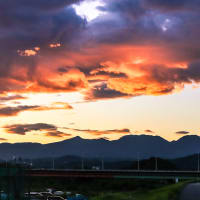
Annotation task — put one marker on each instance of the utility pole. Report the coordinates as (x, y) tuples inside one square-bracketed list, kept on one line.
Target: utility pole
[(53, 163), (138, 161), (102, 164)]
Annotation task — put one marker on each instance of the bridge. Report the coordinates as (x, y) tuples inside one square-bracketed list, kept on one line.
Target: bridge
[(121, 174), (14, 179)]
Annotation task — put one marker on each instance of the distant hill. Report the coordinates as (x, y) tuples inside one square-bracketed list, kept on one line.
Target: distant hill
[(127, 147), (187, 163), (75, 162)]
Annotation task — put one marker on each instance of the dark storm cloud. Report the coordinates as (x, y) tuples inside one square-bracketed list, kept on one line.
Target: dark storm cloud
[(148, 28), (25, 25), (182, 132), (8, 111), (103, 92), (109, 74), (13, 111), (177, 75), (129, 8), (63, 69), (131, 23), (11, 98), (38, 36), (38, 4), (173, 5), (166, 5), (29, 24)]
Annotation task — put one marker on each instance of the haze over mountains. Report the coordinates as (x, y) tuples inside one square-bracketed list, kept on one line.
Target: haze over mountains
[(127, 147)]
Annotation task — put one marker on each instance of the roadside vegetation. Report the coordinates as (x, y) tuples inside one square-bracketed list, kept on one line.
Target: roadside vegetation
[(169, 192)]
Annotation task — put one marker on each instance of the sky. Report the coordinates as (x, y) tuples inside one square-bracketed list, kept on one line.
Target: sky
[(98, 69)]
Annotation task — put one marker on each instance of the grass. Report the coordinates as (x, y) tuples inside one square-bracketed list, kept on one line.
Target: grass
[(170, 192), (113, 189)]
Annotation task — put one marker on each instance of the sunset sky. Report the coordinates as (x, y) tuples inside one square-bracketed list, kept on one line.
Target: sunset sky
[(99, 69)]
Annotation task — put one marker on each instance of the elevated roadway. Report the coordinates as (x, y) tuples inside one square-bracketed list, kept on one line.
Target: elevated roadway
[(131, 174)]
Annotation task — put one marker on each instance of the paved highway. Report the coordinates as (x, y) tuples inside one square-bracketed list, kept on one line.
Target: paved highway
[(191, 192)]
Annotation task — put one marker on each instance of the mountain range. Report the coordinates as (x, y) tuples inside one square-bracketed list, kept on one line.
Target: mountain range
[(127, 147)]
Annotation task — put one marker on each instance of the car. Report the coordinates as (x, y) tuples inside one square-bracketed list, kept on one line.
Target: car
[(46, 194)]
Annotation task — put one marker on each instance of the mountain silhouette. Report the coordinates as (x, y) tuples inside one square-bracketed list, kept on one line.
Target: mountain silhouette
[(127, 147)]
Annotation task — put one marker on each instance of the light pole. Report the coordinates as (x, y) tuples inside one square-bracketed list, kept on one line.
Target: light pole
[(198, 163)]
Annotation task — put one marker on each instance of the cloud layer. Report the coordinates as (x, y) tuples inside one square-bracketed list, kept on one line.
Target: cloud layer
[(138, 47)]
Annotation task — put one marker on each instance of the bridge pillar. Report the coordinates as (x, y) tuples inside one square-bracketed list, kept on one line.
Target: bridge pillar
[(176, 180)]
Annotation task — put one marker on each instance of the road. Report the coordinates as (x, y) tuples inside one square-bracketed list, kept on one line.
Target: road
[(191, 192)]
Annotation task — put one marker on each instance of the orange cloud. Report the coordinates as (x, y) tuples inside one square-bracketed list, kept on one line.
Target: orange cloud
[(103, 132), (124, 71), (104, 72), (57, 134), (8, 111), (140, 86), (71, 81), (3, 139)]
